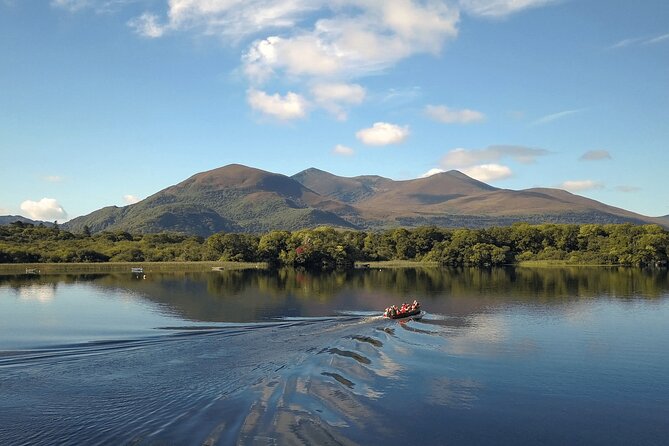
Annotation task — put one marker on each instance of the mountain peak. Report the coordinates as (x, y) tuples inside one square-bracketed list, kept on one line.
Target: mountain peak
[(236, 197)]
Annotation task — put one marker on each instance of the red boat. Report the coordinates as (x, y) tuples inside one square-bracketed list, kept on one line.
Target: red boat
[(403, 311)]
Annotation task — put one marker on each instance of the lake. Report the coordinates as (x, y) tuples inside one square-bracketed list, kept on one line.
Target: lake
[(502, 356)]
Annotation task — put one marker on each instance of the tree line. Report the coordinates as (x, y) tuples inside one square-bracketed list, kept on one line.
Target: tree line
[(329, 248)]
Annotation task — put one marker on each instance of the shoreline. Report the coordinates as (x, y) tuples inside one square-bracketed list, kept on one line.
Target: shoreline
[(204, 266), (124, 267)]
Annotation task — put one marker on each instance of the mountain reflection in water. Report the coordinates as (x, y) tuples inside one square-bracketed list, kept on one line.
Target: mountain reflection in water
[(526, 356)]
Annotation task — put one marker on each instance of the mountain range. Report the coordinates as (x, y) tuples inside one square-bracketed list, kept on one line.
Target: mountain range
[(237, 198)]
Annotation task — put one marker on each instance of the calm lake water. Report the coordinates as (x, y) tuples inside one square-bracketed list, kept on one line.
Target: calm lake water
[(502, 356)]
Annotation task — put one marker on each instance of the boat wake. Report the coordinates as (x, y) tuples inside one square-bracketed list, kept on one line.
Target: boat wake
[(291, 381)]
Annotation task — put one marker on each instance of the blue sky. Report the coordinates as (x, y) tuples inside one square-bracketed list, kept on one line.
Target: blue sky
[(104, 102)]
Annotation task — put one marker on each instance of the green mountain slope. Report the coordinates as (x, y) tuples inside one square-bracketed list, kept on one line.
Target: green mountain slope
[(231, 198), (244, 199)]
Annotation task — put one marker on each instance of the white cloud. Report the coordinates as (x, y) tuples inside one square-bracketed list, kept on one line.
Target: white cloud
[(383, 133), (595, 155), (313, 42), (581, 185), (488, 172), (313, 38), (147, 25), (460, 157), (636, 41), (657, 39), (343, 150), (131, 199), (431, 172), (53, 178), (335, 96), (448, 115), (555, 116), (500, 8), (289, 106), (45, 209)]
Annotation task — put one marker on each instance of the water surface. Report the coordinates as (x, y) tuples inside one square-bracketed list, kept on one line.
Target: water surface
[(524, 356)]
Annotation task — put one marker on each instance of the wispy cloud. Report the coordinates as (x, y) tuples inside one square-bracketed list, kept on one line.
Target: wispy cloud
[(147, 25), (638, 41), (382, 134), (71, 5), (657, 39), (53, 178), (343, 150), (500, 8), (555, 116), (45, 209), (460, 157), (335, 96), (595, 155), (99, 6), (581, 185), (449, 115)]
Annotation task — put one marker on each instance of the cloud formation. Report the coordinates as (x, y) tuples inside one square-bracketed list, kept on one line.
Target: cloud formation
[(343, 150), (485, 164), (147, 25), (448, 115), (334, 97), (458, 158), (131, 199), (383, 133), (637, 41), (488, 172), (71, 5), (431, 172), (289, 106), (46, 209), (500, 8), (318, 42), (581, 185), (555, 116), (356, 38), (595, 155)]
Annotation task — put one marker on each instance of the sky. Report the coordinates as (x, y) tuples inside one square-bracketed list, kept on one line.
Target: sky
[(106, 102)]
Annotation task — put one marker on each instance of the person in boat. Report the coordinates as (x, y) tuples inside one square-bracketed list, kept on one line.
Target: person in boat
[(393, 311)]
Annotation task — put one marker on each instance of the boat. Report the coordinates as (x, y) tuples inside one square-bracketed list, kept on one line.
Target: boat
[(404, 311), (137, 270)]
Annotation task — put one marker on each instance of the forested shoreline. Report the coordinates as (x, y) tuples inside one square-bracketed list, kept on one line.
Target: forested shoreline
[(330, 248)]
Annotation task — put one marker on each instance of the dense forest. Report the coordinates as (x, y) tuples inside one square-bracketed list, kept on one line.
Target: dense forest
[(329, 248)]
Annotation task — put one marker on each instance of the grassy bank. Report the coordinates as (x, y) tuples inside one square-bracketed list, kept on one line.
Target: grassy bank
[(123, 267)]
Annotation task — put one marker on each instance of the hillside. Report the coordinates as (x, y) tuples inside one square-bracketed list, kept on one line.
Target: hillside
[(231, 198), (8, 219), (238, 198)]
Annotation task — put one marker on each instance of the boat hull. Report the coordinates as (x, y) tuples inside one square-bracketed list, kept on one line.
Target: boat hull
[(416, 314)]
